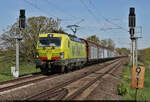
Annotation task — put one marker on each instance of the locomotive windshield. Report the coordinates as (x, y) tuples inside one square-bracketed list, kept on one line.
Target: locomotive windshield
[(49, 41)]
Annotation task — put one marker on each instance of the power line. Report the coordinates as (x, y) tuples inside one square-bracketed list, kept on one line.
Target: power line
[(62, 11), (96, 19), (107, 20), (56, 7), (43, 11), (79, 22), (36, 7), (50, 3)]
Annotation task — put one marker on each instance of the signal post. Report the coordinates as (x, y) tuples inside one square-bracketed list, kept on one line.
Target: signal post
[(137, 78), (22, 18)]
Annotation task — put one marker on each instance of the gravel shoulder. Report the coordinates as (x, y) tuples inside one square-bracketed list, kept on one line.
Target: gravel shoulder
[(105, 88), (34, 88)]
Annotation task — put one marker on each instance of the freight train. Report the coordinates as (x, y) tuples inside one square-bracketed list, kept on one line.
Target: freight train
[(63, 52)]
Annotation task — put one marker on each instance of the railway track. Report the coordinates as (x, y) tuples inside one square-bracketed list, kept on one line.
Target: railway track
[(59, 92), (18, 79), (82, 89), (16, 83)]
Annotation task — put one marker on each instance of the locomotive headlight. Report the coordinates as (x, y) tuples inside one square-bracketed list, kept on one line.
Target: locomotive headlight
[(62, 55), (37, 55)]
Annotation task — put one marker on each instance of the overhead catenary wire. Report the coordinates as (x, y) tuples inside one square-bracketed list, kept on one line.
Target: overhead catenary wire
[(107, 20), (43, 11), (36, 7), (112, 23), (71, 18), (57, 8), (91, 12), (79, 22)]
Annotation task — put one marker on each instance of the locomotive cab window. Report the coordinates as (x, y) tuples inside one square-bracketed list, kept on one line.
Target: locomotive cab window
[(49, 41)]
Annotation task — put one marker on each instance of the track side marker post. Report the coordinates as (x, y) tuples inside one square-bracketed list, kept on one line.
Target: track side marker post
[(137, 79)]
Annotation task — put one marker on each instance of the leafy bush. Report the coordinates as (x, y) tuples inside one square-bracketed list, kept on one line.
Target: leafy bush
[(122, 89)]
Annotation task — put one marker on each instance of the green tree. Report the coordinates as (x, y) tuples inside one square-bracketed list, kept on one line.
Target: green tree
[(34, 27), (144, 55), (123, 50), (105, 42), (93, 38), (108, 43)]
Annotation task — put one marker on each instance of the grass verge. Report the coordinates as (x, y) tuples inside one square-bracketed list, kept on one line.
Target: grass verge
[(143, 94), (25, 69)]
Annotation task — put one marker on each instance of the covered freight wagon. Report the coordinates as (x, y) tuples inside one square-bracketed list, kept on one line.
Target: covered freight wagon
[(96, 52)]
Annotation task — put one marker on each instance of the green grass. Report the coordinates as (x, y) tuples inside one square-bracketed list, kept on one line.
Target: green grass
[(25, 69), (143, 94)]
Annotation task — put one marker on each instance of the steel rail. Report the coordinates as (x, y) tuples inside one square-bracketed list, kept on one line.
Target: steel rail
[(26, 83), (19, 79), (80, 90), (43, 95)]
